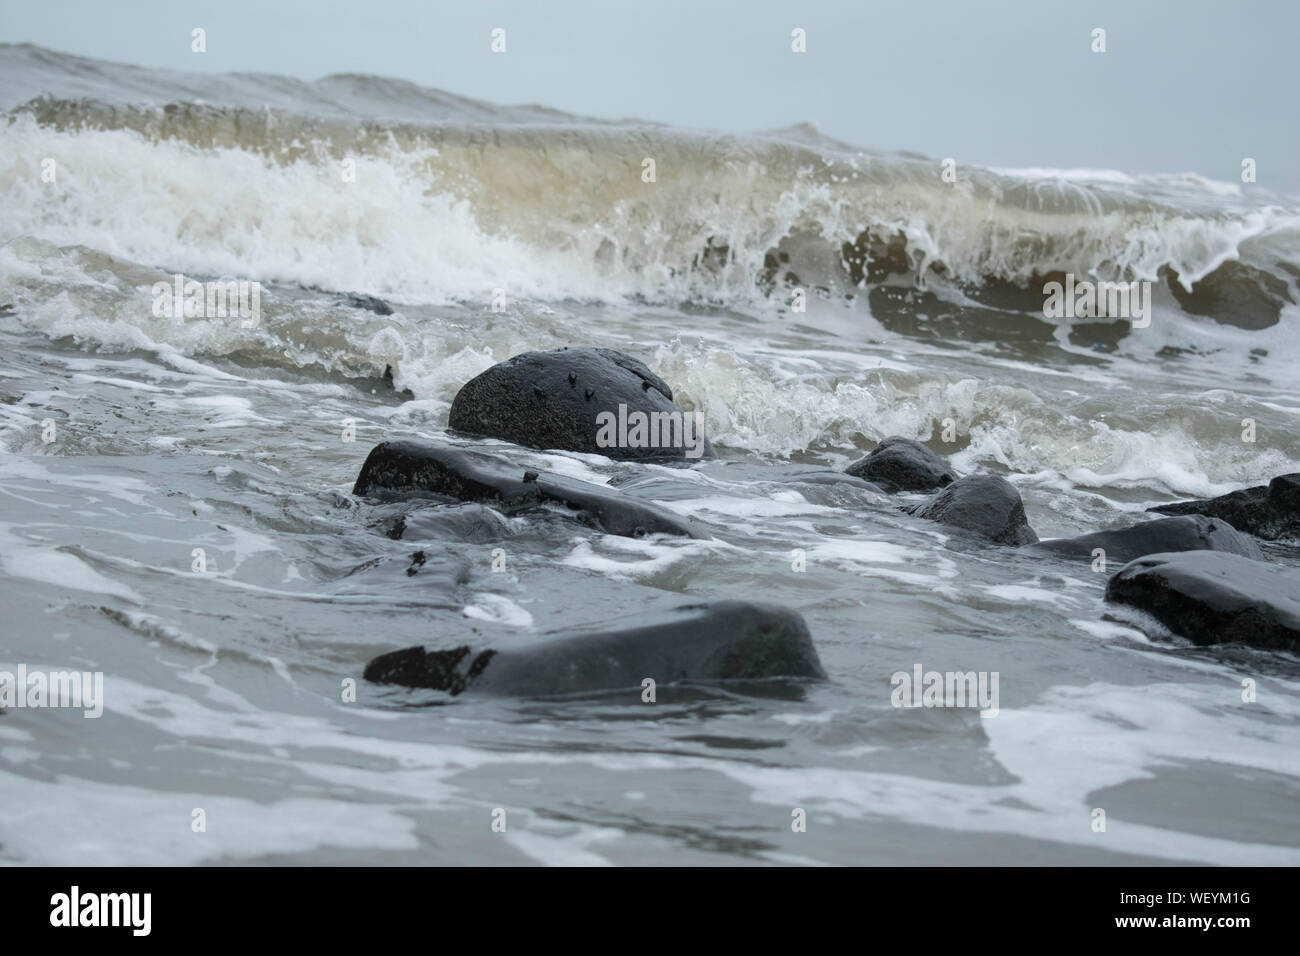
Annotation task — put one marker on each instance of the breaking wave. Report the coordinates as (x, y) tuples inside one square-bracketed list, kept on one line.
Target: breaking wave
[(471, 198)]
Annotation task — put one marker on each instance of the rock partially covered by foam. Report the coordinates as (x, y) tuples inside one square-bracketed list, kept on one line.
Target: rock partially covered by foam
[(405, 468)]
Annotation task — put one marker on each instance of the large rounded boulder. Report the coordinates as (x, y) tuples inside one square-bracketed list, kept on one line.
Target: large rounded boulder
[(983, 505), (903, 464), (597, 401)]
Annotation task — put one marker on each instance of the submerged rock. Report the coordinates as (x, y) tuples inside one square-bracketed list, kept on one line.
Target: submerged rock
[(984, 505), (825, 477), (368, 302), (403, 467), (1187, 533), (568, 398), (902, 464), (1267, 511), (723, 640), (1214, 598)]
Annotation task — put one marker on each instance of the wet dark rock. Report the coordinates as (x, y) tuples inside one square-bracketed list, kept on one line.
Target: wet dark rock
[(722, 640), (1268, 511), (1210, 597), (1100, 336), (1186, 533), (369, 303), (552, 400), (875, 256), (405, 468), (386, 382), (902, 464), (452, 670), (1234, 294), (984, 505), (1019, 296)]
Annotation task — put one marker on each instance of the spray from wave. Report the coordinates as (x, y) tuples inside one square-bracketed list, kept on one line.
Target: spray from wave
[(482, 197), (365, 185)]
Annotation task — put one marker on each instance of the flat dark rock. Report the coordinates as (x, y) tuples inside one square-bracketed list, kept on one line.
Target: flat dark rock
[(1186, 533), (902, 464), (983, 505), (722, 640), (404, 468), (553, 399), (1210, 597), (1269, 511)]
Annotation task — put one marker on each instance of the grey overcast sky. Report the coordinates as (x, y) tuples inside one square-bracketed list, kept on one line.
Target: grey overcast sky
[(1185, 85)]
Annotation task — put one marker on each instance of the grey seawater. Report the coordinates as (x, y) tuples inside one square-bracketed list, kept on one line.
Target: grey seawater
[(224, 688)]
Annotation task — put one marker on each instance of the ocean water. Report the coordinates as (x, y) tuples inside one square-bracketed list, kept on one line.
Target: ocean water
[(494, 230)]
